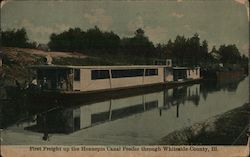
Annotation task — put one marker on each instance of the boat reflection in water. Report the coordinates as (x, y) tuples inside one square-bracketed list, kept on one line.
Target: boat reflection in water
[(68, 120), (137, 119)]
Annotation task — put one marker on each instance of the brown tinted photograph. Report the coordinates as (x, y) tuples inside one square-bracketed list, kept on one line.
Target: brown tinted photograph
[(124, 73)]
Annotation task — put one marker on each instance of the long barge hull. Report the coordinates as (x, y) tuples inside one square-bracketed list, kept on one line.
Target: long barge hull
[(67, 98)]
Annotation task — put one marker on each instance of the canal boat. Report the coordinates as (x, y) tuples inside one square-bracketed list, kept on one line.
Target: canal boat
[(80, 79), (62, 83)]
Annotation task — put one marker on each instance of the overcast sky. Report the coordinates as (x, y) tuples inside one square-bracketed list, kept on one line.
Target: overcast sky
[(217, 21)]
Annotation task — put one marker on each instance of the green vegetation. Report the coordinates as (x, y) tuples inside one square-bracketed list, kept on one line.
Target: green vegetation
[(184, 51), (94, 40), (103, 59), (107, 48), (15, 67), (228, 128), (16, 38)]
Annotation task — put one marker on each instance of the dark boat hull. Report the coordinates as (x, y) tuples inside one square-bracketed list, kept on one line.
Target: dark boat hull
[(66, 98)]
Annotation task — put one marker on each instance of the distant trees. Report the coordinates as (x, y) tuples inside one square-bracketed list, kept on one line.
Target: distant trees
[(187, 51), (94, 39), (67, 41), (138, 45), (16, 38), (191, 51), (183, 51), (229, 54), (78, 40)]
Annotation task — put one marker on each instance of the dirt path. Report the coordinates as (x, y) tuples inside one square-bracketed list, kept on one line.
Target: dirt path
[(43, 53)]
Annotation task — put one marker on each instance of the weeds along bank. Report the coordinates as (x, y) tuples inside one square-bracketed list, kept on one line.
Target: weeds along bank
[(227, 128), (14, 70)]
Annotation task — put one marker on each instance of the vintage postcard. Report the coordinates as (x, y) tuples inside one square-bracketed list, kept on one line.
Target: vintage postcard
[(124, 78)]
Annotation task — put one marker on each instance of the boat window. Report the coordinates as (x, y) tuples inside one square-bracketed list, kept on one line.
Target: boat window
[(76, 74), (99, 74), (151, 72), (196, 71), (127, 73)]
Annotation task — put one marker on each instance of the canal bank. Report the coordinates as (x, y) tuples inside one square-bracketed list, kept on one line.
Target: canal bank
[(229, 128)]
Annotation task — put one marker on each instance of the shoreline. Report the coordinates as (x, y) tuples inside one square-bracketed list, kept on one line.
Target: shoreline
[(228, 128)]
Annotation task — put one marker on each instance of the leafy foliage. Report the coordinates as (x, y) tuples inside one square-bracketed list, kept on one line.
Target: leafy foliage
[(229, 54), (78, 40), (95, 42), (16, 38), (187, 51), (107, 42)]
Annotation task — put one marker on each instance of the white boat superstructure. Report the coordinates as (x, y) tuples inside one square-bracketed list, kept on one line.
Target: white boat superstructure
[(93, 78)]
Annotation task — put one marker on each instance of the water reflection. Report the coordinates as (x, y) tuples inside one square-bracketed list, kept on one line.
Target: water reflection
[(209, 86), (152, 115), (68, 120)]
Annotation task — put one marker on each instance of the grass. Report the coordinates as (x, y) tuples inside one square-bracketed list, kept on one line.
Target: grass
[(226, 129), (105, 59)]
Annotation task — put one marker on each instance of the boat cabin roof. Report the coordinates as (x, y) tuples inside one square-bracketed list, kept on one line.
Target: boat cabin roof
[(180, 68), (184, 68), (94, 67)]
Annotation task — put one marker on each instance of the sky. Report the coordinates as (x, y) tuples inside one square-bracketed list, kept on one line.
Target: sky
[(217, 21)]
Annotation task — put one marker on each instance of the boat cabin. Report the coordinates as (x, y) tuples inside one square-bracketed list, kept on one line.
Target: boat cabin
[(180, 73), (167, 62), (185, 73), (90, 78), (193, 73)]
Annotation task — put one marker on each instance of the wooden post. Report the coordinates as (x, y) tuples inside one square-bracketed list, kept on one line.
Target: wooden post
[(177, 110), (143, 102), (110, 110), (144, 73), (110, 78)]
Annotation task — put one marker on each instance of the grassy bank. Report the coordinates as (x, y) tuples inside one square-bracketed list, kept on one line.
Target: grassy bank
[(17, 60), (226, 129)]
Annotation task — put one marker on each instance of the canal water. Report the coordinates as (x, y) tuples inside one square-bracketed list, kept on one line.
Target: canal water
[(139, 119)]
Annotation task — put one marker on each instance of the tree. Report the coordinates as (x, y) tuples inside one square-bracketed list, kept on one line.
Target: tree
[(244, 63), (169, 49), (204, 52), (139, 33), (179, 48), (195, 49), (229, 54), (75, 39), (16, 38), (139, 45)]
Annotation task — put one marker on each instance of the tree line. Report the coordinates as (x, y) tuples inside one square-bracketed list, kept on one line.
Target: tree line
[(94, 39), (193, 51), (183, 51), (16, 38)]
